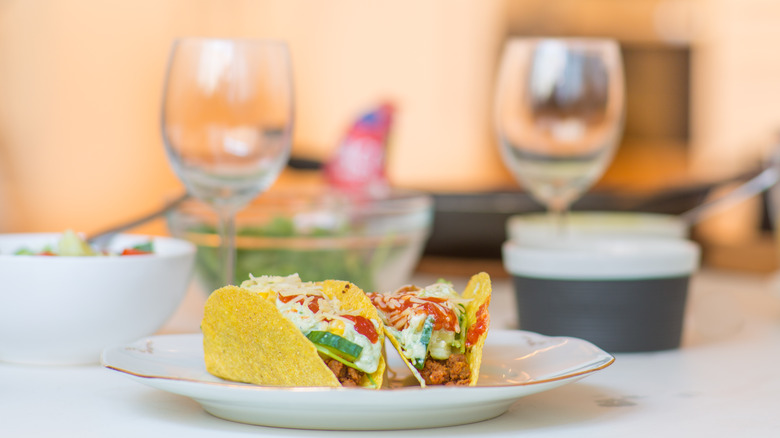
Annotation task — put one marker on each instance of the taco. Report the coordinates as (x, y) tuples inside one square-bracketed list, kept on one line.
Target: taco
[(439, 333), (282, 331)]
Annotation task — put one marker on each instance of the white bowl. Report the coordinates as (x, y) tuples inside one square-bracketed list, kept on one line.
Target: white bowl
[(65, 310)]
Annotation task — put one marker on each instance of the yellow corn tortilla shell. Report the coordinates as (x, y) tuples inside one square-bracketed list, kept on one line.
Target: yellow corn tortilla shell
[(478, 290), (246, 339)]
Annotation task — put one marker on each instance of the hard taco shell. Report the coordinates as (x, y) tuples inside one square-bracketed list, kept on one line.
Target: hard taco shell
[(479, 290), (246, 339)]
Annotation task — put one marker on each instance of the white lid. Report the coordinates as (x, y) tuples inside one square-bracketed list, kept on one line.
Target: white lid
[(540, 226), (603, 258)]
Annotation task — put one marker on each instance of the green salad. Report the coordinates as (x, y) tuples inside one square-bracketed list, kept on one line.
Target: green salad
[(357, 265)]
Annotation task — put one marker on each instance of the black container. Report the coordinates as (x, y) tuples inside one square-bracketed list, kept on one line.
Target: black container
[(621, 293), (616, 315)]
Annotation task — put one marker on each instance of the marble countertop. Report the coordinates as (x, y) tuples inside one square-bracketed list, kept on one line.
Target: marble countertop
[(723, 381)]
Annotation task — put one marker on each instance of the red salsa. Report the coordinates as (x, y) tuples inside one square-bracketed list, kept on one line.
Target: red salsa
[(444, 318), (480, 325), (364, 326)]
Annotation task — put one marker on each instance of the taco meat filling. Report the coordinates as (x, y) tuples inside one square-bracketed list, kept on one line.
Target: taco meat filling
[(453, 371), (347, 376)]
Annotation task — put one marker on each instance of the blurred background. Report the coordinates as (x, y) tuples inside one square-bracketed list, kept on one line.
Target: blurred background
[(81, 84)]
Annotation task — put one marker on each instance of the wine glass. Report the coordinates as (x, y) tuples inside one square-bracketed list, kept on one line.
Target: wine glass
[(559, 114), (227, 118)]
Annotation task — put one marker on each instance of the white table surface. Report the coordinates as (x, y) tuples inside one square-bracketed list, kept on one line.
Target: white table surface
[(724, 381)]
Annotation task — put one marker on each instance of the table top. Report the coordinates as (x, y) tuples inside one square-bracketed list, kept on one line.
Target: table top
[(723, 381)]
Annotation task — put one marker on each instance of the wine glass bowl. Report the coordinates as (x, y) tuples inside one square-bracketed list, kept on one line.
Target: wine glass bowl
[(227, 121), (559, 114)]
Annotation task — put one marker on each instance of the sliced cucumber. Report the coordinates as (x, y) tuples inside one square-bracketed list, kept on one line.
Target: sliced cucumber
[(442, 343), (425, 340), (460, 339), (329, 353), (336, 344)]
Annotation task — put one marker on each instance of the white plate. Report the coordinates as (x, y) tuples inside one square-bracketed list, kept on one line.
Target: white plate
[(515, 364)]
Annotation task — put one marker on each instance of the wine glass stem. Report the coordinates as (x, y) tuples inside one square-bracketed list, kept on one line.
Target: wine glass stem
[(560, 217), (227, 235)]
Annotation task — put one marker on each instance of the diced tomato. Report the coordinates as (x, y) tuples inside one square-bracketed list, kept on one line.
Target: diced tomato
[(314, 305), (364, 326), (133, 251), (47, 253)]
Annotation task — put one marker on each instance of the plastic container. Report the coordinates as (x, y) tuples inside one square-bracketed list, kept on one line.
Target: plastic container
[(621, 293)]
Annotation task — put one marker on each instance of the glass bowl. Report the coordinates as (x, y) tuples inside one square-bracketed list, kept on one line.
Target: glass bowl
[(374, 242)]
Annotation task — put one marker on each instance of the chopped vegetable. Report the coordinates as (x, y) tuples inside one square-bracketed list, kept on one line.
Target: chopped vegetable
[(335, 344), (424, 340), (71, 244), (144, 248), (460, 337)]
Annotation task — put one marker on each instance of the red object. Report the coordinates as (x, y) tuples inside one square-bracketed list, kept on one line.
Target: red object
[(405, 298), (479, 326), (359, 162), (134, 251), (314, 305), (364, 326)]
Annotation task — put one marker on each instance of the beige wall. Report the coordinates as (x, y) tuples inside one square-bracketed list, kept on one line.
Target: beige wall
[(736, 86), (735, 100), (80, 85)]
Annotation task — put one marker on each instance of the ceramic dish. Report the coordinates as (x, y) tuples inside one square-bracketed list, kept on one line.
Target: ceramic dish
[(64, 310), (515, 364)]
